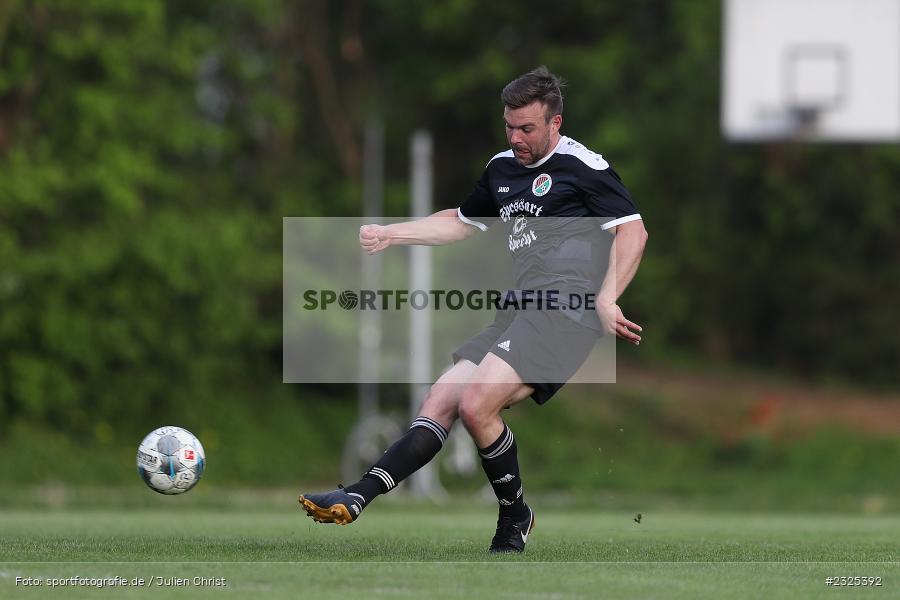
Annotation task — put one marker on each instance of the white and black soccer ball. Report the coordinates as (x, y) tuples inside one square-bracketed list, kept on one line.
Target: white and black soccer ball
[(171, 460)]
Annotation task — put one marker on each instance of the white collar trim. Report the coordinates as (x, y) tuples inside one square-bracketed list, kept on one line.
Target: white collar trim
[(562, 139)]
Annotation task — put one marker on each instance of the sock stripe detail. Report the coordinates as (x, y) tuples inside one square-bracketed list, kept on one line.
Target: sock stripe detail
[(432, 426), (383, 480), (380, 478), (508, 440), (360, 496), (384, 476)]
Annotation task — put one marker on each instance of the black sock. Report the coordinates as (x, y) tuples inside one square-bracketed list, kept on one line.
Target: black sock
[(501, 465), (406, 456)]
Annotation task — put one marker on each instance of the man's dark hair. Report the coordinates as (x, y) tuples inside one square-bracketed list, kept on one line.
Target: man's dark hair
[(538, 85)]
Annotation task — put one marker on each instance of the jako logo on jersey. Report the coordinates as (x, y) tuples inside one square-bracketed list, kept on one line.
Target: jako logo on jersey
[(541, 185), (502, 189)]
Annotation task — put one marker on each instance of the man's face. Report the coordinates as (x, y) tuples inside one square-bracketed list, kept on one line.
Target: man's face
[(529, 133)]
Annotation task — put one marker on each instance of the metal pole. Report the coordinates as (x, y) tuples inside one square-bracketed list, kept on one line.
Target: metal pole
[(425, 482), (370, 320)]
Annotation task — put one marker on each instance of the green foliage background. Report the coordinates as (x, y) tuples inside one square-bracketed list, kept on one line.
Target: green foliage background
[(148, 151)]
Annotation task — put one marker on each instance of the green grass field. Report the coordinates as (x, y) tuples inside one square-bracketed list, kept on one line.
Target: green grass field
[(440, 553)]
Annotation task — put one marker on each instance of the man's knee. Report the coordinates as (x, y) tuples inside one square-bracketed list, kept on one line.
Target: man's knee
[(474, 411), (442, 401)]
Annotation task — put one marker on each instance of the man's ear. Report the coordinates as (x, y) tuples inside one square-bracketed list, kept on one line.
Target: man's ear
[(556, 122)]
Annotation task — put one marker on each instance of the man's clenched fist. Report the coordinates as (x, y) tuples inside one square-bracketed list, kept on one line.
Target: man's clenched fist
[(373, 238)]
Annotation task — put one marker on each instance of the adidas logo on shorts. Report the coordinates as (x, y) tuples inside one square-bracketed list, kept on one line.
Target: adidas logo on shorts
[(504, 345)]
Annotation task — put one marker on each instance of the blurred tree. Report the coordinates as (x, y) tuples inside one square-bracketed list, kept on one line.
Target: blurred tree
[(149, 150), (129, 282)]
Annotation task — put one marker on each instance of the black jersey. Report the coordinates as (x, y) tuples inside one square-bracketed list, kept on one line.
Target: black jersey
[(582, 193)]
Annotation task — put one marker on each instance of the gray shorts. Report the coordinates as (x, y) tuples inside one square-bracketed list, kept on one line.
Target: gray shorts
[(545, 347)]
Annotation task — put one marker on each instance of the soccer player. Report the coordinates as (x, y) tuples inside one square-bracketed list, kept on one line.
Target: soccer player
[(523, 352)]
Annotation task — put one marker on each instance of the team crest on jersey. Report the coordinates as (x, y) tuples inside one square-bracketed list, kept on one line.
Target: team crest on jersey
[(541, 185)]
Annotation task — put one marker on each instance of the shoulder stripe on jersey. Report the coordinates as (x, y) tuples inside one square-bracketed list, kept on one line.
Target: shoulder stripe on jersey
[(463, 218), (619, 221), (584, 154), (506, 154)]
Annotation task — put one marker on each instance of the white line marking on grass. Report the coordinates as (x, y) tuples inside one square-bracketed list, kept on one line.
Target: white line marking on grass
[(455, 562)]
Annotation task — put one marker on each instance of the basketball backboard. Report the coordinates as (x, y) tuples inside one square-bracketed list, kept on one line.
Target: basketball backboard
[(811, 70)]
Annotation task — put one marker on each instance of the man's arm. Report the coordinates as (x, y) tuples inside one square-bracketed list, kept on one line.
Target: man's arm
[(443, 227), (624, 258)]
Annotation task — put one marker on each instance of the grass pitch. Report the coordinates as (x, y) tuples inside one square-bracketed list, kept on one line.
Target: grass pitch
[(437, 553)]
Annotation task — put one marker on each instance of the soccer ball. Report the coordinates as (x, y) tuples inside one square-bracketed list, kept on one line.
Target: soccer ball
[(171, 460)]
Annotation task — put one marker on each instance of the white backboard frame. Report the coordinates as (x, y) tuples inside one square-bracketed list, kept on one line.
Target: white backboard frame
[(811, 70)]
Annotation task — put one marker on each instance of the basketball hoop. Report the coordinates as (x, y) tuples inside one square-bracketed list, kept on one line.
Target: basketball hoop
[(811, 70)]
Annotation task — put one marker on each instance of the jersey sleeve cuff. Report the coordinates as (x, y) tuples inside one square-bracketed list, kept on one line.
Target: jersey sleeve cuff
[(615, 222), (468, 221)]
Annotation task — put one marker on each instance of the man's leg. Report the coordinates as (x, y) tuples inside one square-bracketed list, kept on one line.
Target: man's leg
[(424, 438), (492, 387), (407, 455)]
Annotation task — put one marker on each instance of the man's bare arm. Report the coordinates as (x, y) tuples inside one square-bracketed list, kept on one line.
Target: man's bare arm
[(624, 258), (443, 227)]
